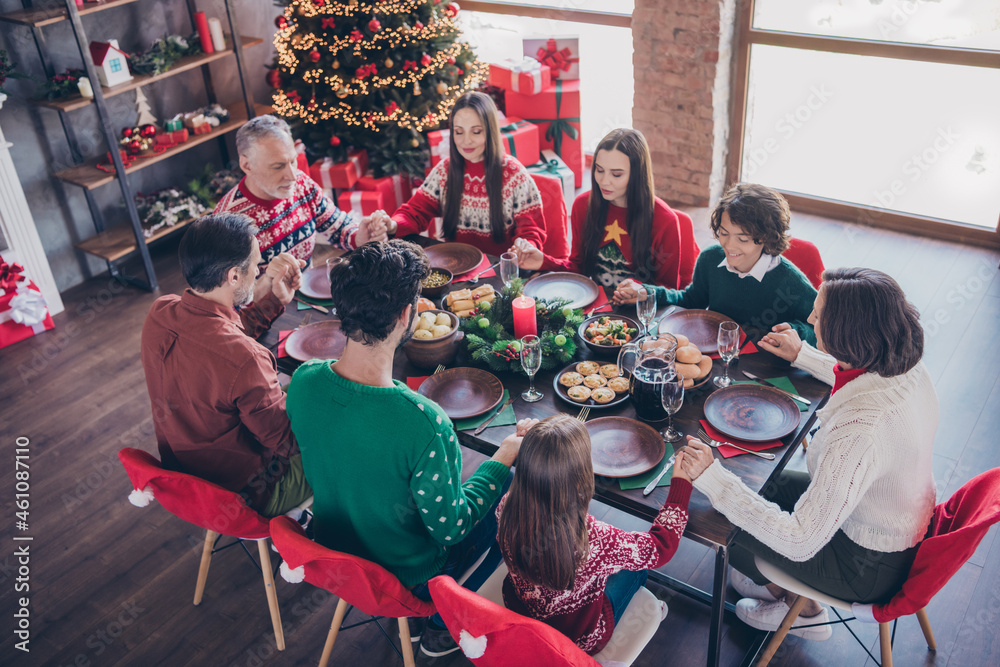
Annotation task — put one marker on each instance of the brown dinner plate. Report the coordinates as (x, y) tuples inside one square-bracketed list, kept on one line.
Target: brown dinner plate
[(622, 447), (321, 340), (563, 392), (458, 258), (580, 290), (316, 283), (700, 326), (463, 392), (752, 412)]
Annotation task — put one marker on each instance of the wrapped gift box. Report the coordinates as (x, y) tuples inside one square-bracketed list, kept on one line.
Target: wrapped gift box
[(332, 175), (361, 202), (395, 189), (520, 139), (440, 143), (23, 312), (556, 112), (559, 54), (168, 139), (552, 166), (528, 76)]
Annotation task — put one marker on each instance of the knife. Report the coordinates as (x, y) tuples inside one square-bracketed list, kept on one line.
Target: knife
[(652, 485), (771, 384), (487, 422)]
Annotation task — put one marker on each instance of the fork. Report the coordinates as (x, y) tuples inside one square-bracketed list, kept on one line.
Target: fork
[(475, 279), (584, 413), (438, 369), (704, 437)]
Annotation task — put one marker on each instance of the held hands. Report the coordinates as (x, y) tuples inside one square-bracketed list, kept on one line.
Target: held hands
[(528, 256), (511, 445), (282, 277), (694, 459), (679, 472), (375, 227), (783, 341), (628, 291)]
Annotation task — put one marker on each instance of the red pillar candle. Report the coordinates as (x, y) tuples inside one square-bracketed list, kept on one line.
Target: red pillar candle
[(524, 317), (201, 23)]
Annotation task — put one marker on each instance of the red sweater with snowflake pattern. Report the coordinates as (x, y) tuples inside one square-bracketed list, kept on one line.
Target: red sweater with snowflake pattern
[(522, 207), (583, 613)]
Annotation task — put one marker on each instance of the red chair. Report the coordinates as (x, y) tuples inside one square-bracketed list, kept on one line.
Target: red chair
[(556, 243), (209, 506), (957, 527), (356, 581), (689, 249), (805, 256)]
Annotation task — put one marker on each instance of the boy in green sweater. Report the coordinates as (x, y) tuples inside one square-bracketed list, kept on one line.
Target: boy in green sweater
[(383, 461), (744, 277)]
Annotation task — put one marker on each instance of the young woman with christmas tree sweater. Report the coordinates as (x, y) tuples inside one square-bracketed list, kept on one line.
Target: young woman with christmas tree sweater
[(621, 229), (486, 198)]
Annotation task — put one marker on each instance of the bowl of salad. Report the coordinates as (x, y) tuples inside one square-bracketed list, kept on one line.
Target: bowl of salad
[(606, 333)]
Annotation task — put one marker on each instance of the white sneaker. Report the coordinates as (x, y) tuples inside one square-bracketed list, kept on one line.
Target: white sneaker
[(746, 587), (663, 610), (767, 616)]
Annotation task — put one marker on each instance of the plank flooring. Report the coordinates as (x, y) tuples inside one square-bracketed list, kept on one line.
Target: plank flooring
[(111, 584)]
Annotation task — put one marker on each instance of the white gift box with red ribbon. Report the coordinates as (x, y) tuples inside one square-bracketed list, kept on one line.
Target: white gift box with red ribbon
[(396, 189), (23, 313), (331, 175), (527, 76), (361, 202), (440, 143)]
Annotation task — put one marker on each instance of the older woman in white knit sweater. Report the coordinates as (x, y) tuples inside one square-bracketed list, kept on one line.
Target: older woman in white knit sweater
[(850, 527)]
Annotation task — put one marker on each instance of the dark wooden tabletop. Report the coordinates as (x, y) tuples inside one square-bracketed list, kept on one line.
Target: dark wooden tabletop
[(705, 524)]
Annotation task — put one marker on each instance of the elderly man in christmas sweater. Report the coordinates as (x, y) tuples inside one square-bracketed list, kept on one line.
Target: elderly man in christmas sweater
[(287, 206)]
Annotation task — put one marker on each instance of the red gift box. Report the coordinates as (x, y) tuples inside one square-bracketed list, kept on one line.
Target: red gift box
[(332, 175), (168, 139), (23, 312), (528, 77), (560, 54), (395, 189), (440, 143), (361, 202), (520, 139), (556, 112)]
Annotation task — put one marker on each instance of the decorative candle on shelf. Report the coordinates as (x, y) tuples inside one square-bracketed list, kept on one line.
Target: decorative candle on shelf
[(215, 28), (201, 23), (86, 90), (524, 317)]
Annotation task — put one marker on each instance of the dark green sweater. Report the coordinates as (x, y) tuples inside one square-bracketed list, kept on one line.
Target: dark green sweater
[(385, 468), (785, 295)]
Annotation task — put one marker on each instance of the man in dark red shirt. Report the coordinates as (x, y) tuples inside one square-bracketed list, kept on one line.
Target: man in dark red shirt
[(222, 415)]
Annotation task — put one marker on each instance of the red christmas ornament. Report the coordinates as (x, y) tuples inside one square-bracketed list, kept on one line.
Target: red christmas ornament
[(356, 35), (127, 132), (451, 60), (425, 60), (452, 9), (334, 141), (418, 26), (391, 108), (281, 22), (274, 78), (314, 56), (135, 146), (459, 71), (361, 72), (147, 130), (319, 3), (374, 25)]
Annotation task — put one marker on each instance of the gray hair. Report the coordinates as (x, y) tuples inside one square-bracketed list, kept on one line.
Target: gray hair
[(260, 127)]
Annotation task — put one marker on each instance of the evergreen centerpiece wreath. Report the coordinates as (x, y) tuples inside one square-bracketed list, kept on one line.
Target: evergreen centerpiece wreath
[(489, 331)]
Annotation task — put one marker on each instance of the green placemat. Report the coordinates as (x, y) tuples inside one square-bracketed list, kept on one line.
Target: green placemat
[(783, 383), (506, 418), (327, 303), (640, 481)]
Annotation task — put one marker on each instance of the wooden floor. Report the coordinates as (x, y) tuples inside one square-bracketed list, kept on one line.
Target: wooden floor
[(111, 584)]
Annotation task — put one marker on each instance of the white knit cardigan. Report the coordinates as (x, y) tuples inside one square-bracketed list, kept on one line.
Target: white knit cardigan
[(869, 468)]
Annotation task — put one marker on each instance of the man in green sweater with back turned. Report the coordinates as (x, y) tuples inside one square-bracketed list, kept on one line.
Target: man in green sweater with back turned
[(383, 461)]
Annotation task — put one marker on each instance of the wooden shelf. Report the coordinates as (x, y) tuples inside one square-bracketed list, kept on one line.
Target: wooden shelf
[(42, 16), (88, 176), (119, 241), (182, 65)]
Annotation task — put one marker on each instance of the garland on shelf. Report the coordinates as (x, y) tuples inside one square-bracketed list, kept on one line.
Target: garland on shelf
[(166, 208), (163, 53), (214, 183), (61, 85), (491, 342)]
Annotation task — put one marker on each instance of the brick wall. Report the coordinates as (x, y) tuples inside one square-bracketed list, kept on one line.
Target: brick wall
[(681, 61)]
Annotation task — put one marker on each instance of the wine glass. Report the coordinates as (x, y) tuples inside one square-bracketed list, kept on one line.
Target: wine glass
[(531, 361), (672, 397), (729, 349), (508, 268), (645, 309)]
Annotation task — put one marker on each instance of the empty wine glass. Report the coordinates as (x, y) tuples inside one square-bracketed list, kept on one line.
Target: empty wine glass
[(531, 361), (645, 309), (729, 349), (672, 397), (508, 268)]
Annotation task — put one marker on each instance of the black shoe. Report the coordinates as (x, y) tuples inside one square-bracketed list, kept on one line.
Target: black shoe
[(417, 625), (436, 642)]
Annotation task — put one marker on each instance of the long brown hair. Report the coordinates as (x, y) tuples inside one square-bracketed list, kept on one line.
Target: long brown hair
[(544, 521), (640, 203), (493, 159)]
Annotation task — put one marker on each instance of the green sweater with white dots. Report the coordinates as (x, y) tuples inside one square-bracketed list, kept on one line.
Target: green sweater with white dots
[(386, 471)]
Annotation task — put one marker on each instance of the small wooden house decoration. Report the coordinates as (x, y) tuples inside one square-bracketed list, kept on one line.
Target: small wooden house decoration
[(111, 63)]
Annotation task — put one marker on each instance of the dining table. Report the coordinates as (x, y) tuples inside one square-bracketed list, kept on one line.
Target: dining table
[(705, 525)]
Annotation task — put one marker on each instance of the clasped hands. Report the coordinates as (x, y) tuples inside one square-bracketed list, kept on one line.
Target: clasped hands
[(376, 227), (281, 277)]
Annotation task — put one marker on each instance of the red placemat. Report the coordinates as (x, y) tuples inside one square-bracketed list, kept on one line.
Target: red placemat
[(729, 452), (601, 300), (282, 337), (746, 346), (482, 266), (415, 382)]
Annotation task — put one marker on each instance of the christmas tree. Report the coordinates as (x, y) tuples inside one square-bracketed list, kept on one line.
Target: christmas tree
[(373, 74)]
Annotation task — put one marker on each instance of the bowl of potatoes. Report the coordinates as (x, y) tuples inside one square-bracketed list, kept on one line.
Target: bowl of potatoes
[(435, 339)]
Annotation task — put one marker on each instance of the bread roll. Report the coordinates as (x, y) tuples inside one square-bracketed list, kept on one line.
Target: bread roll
[(422, 334), (687, 370), (688, 383), (704, 366), (682, 340), (688, 354)]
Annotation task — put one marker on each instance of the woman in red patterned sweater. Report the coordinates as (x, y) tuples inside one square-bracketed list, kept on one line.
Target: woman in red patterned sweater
[(568, 569), (486, 197), (621, 229)]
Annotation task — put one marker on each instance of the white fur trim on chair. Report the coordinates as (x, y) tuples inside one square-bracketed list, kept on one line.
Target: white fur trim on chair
[(141, 498), (864, 612), (296, 576), (472, 647)]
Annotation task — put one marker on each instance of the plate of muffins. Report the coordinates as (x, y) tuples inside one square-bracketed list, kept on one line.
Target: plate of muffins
[(592, 384)]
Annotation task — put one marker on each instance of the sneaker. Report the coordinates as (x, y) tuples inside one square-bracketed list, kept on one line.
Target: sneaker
[(746, 587), (663, 610), (436, 642), (417, 625), (767, 616)]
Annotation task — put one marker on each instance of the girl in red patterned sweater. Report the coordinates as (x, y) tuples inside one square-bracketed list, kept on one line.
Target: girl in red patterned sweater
[(568, 569), (485, 197)]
